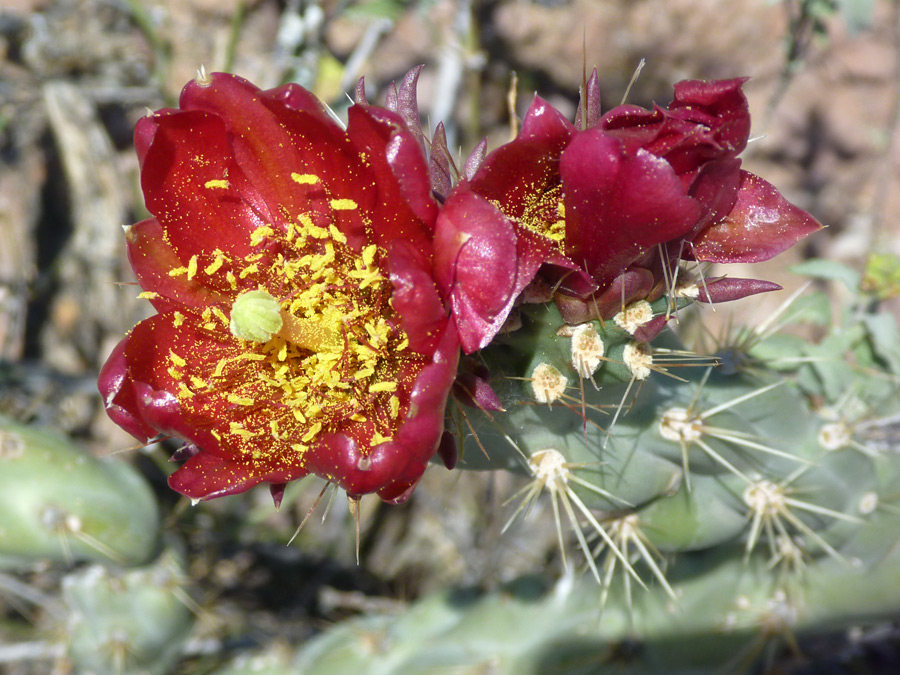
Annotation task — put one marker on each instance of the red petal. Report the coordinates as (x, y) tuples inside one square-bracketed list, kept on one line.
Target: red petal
[(515, 174), (718, 104), (393, 467), (271, 143), (207, 476), (716, 187), (482, 265), (119, 397), (761, 225), (152, 258), (189, 151), (404, 207), (297, 98), (415, 297), (147, 353), (618, 205), (448, 451)]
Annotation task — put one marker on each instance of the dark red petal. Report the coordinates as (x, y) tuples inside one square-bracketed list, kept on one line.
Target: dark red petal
[(517, 173), (118, 395), (397, 493), (185, 452), (404, 207), (277, 492), (619, 205), (729, 288), (479, 266), (408, 106), (415, 297), (715, 188), (475, 159), (761, 225), (359, 92), (650, 330), (475, 391), (718, 104), (439, 163)]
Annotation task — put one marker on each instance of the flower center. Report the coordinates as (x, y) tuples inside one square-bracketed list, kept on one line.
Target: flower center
[(316, 347), (544, 212)]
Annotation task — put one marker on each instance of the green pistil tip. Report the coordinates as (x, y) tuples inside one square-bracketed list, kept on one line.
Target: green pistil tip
[(255, 316)]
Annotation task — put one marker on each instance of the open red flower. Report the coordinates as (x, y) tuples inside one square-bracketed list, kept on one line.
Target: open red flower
[(606, 211), (299, 329)]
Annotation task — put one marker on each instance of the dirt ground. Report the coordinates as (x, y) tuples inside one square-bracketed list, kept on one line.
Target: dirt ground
[(75, 75)]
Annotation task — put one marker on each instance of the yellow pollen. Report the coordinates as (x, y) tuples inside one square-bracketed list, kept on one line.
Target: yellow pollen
[(177, 319), (214, 266), (248, 270), (336, 234), (240, 400), (218, 183), (177, 271), (305, 178), (382, 386), (316, 334), (343, 204), (177, 360), (394, 404), (260, 234), (148, 295), (368, 254), (312, 433), (192, 267), (175, 373), (184, 391)]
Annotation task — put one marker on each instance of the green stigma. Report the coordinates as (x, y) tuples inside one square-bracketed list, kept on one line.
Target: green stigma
[(256, 316)]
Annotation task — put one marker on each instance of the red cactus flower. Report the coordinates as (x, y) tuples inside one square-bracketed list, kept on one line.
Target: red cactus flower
[(299, 330), (607, 211)]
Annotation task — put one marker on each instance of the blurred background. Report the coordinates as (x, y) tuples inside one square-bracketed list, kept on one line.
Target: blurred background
[(75, 75)]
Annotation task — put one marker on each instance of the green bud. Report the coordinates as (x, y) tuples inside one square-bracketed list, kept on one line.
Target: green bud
[(255, 316)]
